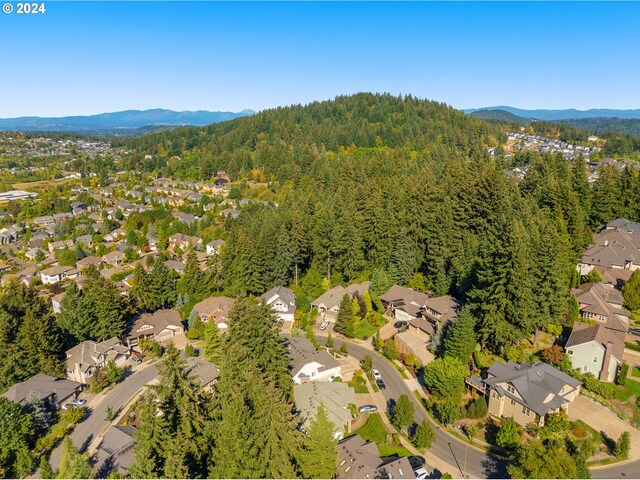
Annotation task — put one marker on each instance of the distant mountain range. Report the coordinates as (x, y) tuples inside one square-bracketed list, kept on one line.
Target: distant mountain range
[(115, 122), (571, 113)]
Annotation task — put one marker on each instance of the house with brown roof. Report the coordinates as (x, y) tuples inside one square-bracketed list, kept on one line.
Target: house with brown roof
[(215, 309), (328, 303), (360, 459), (85, 358), (309, 364), (160, 325), (183, 242), (603, 303), (404, 303), (596, 349), (114, 258), (53, 391)]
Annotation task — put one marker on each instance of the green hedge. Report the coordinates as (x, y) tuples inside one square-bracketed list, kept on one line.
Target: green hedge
[(632, 346), (622, 376)]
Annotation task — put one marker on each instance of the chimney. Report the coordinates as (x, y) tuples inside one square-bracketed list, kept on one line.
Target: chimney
[(604, 373), (606, 243)]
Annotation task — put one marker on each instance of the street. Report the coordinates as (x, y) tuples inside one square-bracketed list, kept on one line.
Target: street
[(85, 432)]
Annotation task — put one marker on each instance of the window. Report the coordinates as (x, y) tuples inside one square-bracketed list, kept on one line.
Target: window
[(570, 352), (513, 402), (585, 368), (526, 411), (595, 359), (510, 389)]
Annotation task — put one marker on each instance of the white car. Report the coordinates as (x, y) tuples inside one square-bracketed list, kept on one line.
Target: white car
[(421, 473), (324, 324), (376, 374)]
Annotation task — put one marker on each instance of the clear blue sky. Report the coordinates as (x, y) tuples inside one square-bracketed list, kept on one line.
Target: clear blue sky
[(93, 57)]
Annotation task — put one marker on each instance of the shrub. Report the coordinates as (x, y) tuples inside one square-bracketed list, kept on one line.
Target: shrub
[(553, 329), (447, 412), (444, 377), (621, 449), (423, 435), (73, 415), (553, 355), (508, 435), (578, 430), (605, 390), (189, 351), (622, 376)]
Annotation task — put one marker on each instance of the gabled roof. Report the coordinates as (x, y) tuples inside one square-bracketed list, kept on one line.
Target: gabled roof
[(210, 305), (539, 385), (86, 354), (332, 298), (603, 299), (583, 333), (285, 294), (42, 386), (158, 320), (613, 248), (623, 225), (335, 396), (302, 352), (360, 459)]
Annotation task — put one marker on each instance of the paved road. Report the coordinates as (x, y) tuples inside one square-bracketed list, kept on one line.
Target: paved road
[(95, 423), (626, 470), (446, 447)]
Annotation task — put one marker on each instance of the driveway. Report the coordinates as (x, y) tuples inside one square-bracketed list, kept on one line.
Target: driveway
[(94, 425), (604, 420)]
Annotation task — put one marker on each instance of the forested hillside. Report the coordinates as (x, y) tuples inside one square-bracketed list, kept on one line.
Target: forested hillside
[(400, 190)]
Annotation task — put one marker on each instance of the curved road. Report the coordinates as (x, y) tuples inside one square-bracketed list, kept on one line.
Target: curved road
[(479, 464)]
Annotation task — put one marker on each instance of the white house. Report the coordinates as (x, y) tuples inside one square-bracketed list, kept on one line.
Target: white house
[(283, 301), (57, 274), (215, 247), (309, 364)]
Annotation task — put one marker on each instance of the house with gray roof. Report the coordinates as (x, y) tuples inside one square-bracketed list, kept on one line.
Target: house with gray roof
[(309, 364), (528, 392), (334, 396), (358, 458), (404, 303), (603, 303), (115, 452), (204, 373), (613, 249), (623, 225), (282, 301), (53, 391)]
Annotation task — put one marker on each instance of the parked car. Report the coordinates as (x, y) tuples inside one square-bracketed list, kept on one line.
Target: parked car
[(635, 331), (324, 324), (136, 360), (381, 384), (78, 403), (421, 473), (399, 324), (376, 374), (416, 461), (368, 409)]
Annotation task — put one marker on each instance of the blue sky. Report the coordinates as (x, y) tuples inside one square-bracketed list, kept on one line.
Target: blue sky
[(92, 57)]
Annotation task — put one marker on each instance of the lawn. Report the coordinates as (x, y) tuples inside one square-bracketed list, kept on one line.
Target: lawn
[(392, 451), (373, 429), (635, 371), (635, 316), (359, 384), (630, 389), (365, 330), (487, 359)]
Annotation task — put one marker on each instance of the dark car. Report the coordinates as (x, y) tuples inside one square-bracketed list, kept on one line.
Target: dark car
[(416, 461), (400, 324), (635, 331), (381, 384)]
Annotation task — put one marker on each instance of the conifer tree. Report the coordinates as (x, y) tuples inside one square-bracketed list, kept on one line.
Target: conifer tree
[(212, 345), (460, 339), (344, 323), (141, 290), (318, 454), (74, 464)]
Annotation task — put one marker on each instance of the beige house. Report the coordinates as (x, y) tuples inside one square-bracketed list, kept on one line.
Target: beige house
[(52, 275), (309, 364), (334, 396), (404, 303), (53, 391), (614, 248), (528, 392), (358, 458), (160, 325), (85, 358), (328, 303)]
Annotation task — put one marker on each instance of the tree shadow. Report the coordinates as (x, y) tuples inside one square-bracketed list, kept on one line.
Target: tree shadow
[(86, 443), (609, 442), (495, 467)]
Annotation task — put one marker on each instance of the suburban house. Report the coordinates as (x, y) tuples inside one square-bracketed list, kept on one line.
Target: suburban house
[(597, 349), (184, 242), (309, 364), (53, 391), (160, 325), (60, 245), (86, 261), (114, 258), (601, 302), (215, 247), (441, 310), (335, 396), (360, 459), (56, 302), (174, 265), (52, 275), (404, 303), (204, 373), (528, 392), (614, 248), (282, 301), (115, 452), (215, 308), (10, 235), (85, 358), (328, 303), (622, 225)]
